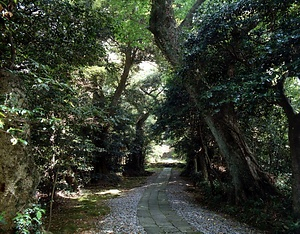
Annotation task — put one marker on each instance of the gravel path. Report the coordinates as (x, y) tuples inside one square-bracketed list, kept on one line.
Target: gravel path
[(123, 216)]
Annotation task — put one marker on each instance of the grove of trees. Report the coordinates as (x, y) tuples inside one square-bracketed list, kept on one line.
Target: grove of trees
[(79, 102)]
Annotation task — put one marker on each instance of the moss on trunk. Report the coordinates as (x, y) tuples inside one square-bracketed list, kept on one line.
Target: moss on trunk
[(18, 174)]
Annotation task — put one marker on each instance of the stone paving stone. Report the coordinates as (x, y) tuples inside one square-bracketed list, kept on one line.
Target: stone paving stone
[(171, 229), (153, 230), (147, 222), (154, 212), (143, 213)]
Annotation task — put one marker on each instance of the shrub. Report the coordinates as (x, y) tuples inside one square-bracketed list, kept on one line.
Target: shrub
[(29, 221)]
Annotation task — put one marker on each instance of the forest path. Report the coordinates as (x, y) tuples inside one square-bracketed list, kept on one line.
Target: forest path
[(154, 212)]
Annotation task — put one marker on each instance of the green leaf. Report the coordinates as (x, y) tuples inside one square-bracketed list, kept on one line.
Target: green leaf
[(1, 123), (23, 141), (12, 130), (39, 215)]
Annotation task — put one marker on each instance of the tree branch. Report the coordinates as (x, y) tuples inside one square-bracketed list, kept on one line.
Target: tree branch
[(130, 54), (187, 22), (162, 24), (284, 101)]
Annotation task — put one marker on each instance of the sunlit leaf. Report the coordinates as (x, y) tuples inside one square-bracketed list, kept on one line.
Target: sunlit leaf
[(14, 141), (23, 141), (1, 123)]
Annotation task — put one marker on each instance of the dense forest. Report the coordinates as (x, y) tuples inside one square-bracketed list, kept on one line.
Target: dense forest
[(87, 87)]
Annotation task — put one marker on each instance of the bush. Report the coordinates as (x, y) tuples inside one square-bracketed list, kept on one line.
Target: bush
[(2, 220), (29, 221)]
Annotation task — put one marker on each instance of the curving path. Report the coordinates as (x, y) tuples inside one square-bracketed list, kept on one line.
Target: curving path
[(154, 212)]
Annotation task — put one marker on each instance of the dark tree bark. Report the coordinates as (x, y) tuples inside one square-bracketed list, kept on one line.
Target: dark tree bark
[(164, 28), (102, 159), (130, 55), (246, 173), (204, 161), (135, 164), (103, 162), (294, 142)]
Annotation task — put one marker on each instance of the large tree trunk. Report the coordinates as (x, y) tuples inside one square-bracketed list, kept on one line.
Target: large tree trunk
[(294, 142), (103, 162), (248, 178), (245, 172), (130, 55), (135, 164), (204, 160), (164, 28), (18, 173)]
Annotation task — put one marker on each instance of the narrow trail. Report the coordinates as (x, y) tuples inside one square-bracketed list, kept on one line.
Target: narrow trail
[(162, 206), (154, 212)]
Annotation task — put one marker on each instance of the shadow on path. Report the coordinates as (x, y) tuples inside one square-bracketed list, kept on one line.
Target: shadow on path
[(154, 212)]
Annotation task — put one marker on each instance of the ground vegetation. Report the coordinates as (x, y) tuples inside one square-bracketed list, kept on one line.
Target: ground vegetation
[(88, 87)]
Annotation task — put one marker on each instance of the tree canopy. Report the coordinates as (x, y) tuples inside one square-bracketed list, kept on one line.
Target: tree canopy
[(87, 87)]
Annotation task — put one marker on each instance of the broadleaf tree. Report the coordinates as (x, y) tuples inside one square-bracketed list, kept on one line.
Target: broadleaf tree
[(247, 176)]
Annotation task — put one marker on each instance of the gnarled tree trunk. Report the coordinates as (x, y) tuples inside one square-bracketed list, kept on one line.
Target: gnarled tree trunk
[(18, 174), (247, 176)]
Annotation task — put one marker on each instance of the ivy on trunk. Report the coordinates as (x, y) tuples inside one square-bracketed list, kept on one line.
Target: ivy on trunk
[(224, 125)]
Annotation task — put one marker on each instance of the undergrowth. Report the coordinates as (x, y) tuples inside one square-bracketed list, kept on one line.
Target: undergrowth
[(76, 213), (272, 215)]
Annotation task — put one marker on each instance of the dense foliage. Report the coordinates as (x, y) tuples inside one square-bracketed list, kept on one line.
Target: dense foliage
[(75, 59), (89, 108), (239, 60), (249, 53)]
